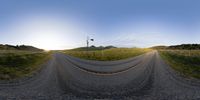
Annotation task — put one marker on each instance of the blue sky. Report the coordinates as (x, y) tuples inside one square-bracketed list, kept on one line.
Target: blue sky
[(60, 24)]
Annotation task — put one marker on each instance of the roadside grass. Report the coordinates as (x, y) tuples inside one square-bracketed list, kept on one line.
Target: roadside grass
[(16, 63), (107, 54), (187, 62)]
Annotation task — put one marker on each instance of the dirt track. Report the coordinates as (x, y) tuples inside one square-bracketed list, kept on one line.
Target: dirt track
[(144, 77)]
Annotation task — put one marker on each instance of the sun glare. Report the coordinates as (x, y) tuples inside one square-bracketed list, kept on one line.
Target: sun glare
[(47, 41), (44, 32)]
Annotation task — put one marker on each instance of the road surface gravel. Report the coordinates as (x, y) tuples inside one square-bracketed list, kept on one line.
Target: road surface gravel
[(146, 77)]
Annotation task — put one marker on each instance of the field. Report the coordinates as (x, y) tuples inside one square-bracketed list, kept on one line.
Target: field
[(187, 62), (107, 54), (17, 63)]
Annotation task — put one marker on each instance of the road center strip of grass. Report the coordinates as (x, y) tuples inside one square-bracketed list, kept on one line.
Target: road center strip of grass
[(107, 54), (18, 63), (184, 61)]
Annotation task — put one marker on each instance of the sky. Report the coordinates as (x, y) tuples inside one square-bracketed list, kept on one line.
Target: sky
[(65, 24)]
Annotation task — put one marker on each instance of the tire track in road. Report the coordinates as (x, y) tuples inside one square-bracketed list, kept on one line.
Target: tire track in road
[(104, 66), (103, 72), (122, 90)]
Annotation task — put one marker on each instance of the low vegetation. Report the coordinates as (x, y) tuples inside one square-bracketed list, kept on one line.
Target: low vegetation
[(93, 48), (107, 54), (19, 47), (18, 63), (187, 62), (179, 47)]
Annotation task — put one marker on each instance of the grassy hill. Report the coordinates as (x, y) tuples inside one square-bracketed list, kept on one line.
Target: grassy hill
[(19, 47), (186, 47), (107, 54), (92, 48), (179, 47), (20, 61)]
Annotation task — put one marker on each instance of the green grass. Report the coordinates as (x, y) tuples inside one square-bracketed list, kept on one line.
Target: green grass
[(187, 62), (15, 63), (107, 54)]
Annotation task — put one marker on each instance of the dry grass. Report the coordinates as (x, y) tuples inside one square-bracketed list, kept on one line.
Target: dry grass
[(108, 54), (15, 64), (187, 62)]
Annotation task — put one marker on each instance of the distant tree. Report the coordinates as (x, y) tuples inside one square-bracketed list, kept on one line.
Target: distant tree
[(92, 46)]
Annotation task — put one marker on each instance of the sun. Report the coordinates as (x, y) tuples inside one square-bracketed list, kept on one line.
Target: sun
[(47, 41), (48, 37), (45, 33)]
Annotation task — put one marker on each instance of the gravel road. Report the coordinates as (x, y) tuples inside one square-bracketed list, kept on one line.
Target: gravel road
[(146, 77)]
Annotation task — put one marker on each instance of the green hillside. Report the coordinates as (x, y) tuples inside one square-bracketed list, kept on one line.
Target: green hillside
[(92, 48), (179, 47), (19, 47)]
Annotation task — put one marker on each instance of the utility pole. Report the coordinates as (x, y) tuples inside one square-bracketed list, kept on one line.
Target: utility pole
[(88, 42)]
